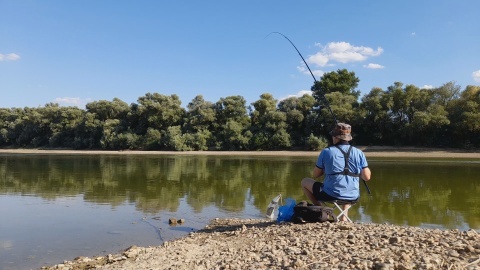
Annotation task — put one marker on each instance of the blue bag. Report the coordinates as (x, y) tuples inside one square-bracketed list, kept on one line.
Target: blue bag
[(285, 212)]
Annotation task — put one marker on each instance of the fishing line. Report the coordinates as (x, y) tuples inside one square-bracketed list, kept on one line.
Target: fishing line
[(311, 73), (315, 84)]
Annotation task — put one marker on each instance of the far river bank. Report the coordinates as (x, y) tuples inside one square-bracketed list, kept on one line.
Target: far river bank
[(370, 151)]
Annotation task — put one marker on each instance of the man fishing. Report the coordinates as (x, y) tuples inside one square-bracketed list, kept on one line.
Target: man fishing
[(342, 165)]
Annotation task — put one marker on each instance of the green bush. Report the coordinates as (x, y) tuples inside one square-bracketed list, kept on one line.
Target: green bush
[(316, 143)]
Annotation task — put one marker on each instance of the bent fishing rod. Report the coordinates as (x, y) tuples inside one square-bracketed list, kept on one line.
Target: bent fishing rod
[(322, 94), (314, 79)]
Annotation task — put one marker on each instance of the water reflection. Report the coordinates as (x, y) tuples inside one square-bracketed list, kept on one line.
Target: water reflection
[(420, 193), (410, 193)]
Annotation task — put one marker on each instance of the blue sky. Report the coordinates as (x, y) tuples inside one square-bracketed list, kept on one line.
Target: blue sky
[(75, 52)]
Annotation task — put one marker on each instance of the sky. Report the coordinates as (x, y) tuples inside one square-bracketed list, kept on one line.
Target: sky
[(75, 52)]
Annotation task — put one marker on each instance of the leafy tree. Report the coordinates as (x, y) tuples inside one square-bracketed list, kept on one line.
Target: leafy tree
[(174, 139), (157, 111), (341, 81), (336, 89), (31, 128), (110, 131), (400, 115), (63, 123), (152, 139), (200, 114), (8, 120), (446, 93), (232, 124), (375, 123), (199, 122), (89, 132), (235, 136), (268, 125), (316, 143), (108, 120), (298, 110), (465, 116), (428, 126), (104, 109)]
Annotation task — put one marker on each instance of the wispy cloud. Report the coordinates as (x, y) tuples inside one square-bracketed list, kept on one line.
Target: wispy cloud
[(373, 66), (72, 101), (342, 52), (9, 57), (476, 76), (427, 86)]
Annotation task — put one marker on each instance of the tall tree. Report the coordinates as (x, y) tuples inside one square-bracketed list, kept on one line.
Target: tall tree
[(465, 116), (298, 112), (232, 124), (158, 111), (447, 92), (374, 129), (341, 81), (200, 114), (338, 90), (269, 125), (64, 122), (104, 109)]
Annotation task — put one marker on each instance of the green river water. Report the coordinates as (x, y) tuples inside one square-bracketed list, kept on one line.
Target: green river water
[(58, 207)]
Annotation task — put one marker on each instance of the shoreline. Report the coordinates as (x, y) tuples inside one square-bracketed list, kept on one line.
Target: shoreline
[(370, 151), (263, 244)]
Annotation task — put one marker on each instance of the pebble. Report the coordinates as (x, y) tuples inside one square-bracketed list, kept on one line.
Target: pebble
[(263, 244)]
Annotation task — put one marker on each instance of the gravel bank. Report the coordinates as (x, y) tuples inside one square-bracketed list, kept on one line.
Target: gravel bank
[(261, 244)]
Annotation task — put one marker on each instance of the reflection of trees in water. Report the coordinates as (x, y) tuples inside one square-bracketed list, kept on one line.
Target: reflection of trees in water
[(425, 193), (402, 192)]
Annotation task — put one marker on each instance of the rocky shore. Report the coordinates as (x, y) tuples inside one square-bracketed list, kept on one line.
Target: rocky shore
[(262, 244)]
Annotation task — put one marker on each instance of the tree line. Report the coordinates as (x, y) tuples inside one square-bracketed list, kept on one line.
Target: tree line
[(401, 115)]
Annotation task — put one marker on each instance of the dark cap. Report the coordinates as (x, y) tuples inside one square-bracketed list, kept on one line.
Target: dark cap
[(342, 131)]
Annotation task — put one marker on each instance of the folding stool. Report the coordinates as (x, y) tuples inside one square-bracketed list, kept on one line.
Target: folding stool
[(343, 212)]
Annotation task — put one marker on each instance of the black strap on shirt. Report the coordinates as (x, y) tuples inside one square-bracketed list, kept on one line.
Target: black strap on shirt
[(346, 156)]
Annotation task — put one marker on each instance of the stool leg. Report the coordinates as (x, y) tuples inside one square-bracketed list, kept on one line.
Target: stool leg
[(343, 216)]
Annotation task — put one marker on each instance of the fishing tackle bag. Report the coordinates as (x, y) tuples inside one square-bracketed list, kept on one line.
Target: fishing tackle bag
[(305, 212)]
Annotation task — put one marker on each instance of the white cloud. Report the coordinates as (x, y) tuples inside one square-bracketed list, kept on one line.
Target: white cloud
[(373, 66), (9, 57), (413, 34), (75, 101), (319, 59), (298, 94), (317, 73), (476, 76), (427, 86), (342, 52)]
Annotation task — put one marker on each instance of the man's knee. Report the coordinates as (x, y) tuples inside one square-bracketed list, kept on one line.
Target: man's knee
[(308, 183)]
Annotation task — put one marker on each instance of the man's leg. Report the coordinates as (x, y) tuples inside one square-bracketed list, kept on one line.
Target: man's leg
[(307, 186)]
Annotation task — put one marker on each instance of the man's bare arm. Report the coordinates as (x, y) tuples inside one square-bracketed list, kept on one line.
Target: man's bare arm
[(366, 174), (317, 172)]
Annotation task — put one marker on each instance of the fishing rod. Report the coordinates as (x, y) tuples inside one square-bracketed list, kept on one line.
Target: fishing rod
[(314, 79), (322, 94)]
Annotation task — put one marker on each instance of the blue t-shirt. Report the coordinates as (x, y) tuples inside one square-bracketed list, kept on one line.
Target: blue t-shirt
[(332, 161)]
